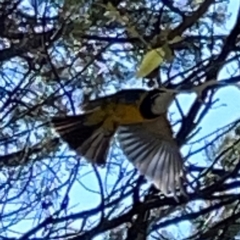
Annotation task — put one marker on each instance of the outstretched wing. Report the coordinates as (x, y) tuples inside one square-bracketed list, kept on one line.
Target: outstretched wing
[(154, 154)]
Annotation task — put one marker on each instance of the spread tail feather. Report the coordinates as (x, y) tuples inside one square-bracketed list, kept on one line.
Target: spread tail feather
[(158, 159), (90, 142)]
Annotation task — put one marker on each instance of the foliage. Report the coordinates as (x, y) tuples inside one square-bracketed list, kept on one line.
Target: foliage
[(56, 55)]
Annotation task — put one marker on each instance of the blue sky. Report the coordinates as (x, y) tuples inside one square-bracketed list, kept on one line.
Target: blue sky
[(218, 117)]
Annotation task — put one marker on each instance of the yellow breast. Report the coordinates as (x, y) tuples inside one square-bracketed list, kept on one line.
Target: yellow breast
[(114, 114), (125, 114)]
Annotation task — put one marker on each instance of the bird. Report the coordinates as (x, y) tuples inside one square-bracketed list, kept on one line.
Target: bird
[(138, 119)]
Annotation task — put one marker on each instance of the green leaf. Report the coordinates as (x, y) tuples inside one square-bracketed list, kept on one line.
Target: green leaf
[(151, 61)]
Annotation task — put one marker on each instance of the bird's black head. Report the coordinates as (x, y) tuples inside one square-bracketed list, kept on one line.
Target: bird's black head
[(155, 103)]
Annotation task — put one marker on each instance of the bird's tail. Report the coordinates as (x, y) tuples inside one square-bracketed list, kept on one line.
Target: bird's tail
[(89, 141)]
